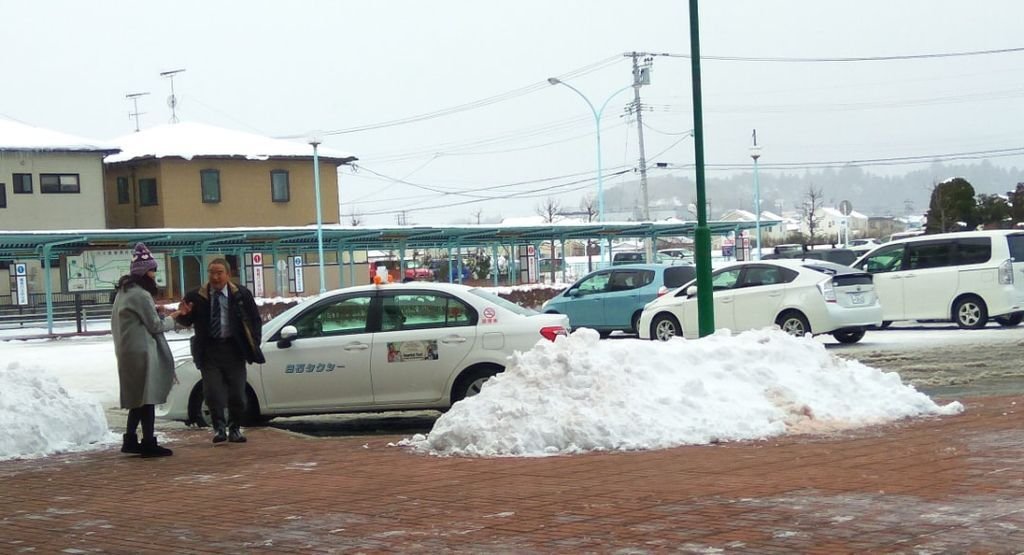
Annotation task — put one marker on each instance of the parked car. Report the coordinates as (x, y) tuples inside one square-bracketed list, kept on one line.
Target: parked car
[(837, 255), (965, 277), (862, 246), (414, 270), (376, 347), (799, 296), (628, 258), (611, 299)]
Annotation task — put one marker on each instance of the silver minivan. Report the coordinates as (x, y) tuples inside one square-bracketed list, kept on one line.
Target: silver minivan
[(965, 277)]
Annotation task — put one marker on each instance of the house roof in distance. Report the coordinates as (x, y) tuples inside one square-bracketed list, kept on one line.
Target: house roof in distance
[(190, 140), (15, 135)]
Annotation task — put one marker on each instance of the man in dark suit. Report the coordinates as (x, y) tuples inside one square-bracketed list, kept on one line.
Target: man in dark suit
[(227, 332)]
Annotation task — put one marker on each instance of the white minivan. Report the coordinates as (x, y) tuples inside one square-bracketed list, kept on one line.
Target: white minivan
[(967, 277)]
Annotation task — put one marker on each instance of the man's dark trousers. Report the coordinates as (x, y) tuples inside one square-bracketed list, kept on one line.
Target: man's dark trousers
[(224, 382)]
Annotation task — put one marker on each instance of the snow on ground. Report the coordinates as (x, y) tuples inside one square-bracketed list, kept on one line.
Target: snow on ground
[(581, 394), (576, 395), (39, 415)]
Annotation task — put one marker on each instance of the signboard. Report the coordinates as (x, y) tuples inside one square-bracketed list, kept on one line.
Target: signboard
[(845, 207), (100, 269), (257, 274), (297, 268), (22, 283), (527, 263)]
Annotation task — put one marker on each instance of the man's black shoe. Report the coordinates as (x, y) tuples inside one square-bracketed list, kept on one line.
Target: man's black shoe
[(219, 435), (235, 436)]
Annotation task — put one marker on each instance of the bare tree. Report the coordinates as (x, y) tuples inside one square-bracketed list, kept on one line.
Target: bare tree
[(813, 201), (550, 209), (477, 215), (356, 219)]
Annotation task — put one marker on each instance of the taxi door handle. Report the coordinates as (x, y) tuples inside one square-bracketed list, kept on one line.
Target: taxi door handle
[(356, 347), (453, 339), (726, 300)]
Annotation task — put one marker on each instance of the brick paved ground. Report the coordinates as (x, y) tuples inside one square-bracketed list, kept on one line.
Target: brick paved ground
[(953, 484)]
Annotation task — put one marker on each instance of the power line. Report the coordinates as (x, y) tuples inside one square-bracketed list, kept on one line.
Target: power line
[(601, 64), (869, 162), (847, 59)]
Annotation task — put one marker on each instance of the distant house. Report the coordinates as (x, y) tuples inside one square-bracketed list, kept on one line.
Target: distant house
[(50, 180), (830, 225), (769, 233), (195, 175)]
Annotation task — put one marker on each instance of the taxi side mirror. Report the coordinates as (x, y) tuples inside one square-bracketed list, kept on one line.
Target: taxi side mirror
[(287, 335), (691, 291)]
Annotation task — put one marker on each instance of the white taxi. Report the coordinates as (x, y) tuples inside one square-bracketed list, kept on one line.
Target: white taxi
[(799, 296), (405, 346)]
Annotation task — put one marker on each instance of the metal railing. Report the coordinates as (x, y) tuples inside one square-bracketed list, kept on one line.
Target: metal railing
[(78, 307)]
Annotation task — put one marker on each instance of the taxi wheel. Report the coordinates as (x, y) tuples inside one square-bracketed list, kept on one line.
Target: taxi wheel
[(470, 382), (199, 412)]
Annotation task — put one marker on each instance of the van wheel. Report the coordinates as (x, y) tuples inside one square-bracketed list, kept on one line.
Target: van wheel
[(665, 327), (794, 323), (885, 324), (848, 336), (604, 334), (1010, 320), (970, 313)]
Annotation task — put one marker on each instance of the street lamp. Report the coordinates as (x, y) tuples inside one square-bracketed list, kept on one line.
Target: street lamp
[(315, 141), (755, 153), (597, 123)]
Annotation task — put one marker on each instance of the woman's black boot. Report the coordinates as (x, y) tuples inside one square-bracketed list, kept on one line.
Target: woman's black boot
[(150, 449), (130, 444)]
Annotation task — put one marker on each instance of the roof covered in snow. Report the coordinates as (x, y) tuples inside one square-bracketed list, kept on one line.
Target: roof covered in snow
[(190, 140), (15, 135)]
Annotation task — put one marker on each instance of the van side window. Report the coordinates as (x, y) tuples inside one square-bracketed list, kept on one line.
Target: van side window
[(1016, 243), (929, 254), (885, 259), (974, 250)]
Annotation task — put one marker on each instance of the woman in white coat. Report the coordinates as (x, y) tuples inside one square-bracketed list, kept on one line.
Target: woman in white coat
[(145, 366)]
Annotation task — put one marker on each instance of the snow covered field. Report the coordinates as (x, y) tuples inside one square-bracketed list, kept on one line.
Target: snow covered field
[(581, 394)]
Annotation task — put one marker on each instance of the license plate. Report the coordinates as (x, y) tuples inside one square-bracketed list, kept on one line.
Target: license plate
[(856, 298)]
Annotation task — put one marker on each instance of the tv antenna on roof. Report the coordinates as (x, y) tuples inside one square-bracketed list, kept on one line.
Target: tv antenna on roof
[(136, 113), (172, 100)]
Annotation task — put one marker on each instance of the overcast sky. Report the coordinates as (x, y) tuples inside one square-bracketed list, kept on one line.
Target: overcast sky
[(286, 68)]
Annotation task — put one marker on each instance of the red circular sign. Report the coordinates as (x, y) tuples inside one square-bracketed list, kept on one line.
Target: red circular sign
[(488, 313)]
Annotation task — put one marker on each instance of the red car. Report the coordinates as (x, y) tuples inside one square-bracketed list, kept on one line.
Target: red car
[(413, 270)]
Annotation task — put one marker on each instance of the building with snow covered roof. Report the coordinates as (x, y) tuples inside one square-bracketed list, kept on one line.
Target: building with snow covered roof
[(196, 175), (50, 180)]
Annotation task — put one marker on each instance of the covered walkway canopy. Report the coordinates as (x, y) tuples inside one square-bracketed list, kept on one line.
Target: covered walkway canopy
[(45, 245)]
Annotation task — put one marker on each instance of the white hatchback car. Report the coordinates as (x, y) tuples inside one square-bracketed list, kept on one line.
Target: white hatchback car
[(373, 348), (799, 296)]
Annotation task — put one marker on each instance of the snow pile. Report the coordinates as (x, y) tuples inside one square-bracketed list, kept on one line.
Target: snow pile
[(581, 394), (38, 416)]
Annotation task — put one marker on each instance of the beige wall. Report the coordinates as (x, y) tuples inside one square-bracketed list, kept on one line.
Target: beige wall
[(244, 189), (83, 210)]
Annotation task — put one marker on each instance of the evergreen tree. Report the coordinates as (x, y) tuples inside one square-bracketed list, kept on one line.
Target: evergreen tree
[(952, 207), (1017, 204), (993, 211)]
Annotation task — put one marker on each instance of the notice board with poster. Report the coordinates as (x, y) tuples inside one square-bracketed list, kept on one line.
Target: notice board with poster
[(100, 269)]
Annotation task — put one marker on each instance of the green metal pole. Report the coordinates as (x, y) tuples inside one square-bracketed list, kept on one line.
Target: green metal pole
[(702, 237)]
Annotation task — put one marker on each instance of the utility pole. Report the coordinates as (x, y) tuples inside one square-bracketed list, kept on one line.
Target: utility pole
[(135, 113), (641, 77)]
